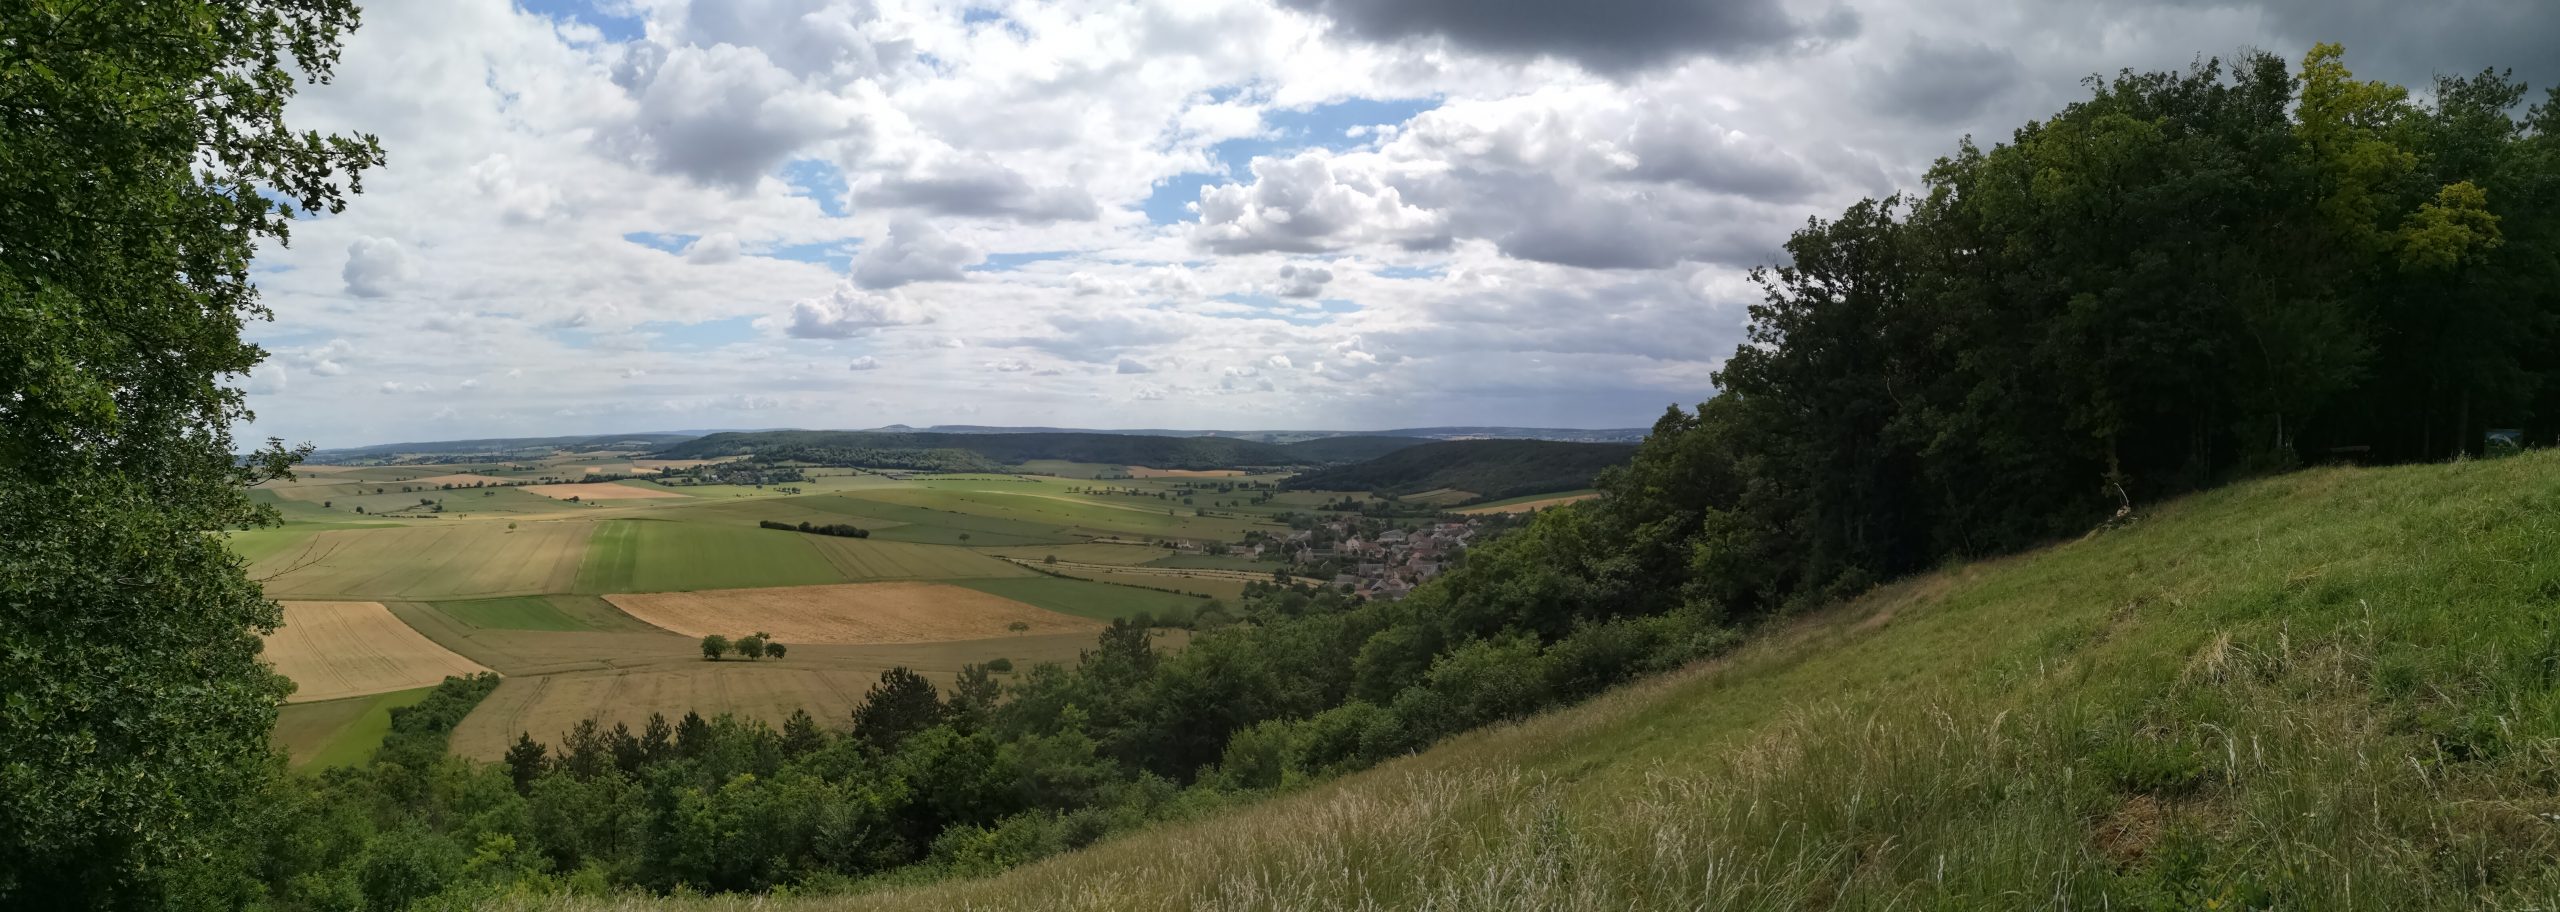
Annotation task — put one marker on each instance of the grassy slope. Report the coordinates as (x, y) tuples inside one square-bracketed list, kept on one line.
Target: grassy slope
[(2336, 689)]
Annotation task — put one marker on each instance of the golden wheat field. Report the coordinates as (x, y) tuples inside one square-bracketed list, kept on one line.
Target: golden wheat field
[(848, 614), (333, 650)]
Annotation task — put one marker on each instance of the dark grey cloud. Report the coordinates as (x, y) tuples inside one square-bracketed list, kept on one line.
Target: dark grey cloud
[(1605, 36), (2410, 43), (978, 187), (1940, 83)]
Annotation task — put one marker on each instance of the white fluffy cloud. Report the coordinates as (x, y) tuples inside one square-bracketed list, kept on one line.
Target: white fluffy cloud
[(848, 311), (377, 267)]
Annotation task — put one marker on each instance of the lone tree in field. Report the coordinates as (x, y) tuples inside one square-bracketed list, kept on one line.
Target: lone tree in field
[(1019, 626), (751, 646), (775, 651), (146, 159), (902, 704), (714, 646)]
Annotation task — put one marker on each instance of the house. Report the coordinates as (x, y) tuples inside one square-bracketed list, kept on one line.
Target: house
[(1392, 536)]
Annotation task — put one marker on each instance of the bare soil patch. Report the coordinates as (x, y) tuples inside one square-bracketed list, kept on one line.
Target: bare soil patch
[(334, 650), (599, 490), (856, 613)]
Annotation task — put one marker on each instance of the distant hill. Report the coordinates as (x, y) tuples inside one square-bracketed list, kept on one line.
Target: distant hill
[(1493, 469), (491, 449), (1586, 435), (988, 450)]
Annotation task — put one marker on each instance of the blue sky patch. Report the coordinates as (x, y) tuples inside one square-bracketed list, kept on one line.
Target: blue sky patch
[(836, 255), (820, 181), (670, 243), (1001, 262), (1411, 272), (616, 29)]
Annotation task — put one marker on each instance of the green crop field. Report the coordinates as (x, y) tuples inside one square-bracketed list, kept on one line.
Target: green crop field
[(1092, 514), (1085, 553), (938, 526), (634, 555), (1100, 601), (1196, 561), (528, 612), (861, 559), (339, 732)]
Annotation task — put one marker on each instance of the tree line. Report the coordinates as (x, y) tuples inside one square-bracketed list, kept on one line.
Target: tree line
[(843, 530)]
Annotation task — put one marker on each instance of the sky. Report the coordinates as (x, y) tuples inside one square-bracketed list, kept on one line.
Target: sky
[(630, 215)]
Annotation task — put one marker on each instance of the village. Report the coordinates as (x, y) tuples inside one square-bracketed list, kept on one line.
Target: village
[(1377, 562)]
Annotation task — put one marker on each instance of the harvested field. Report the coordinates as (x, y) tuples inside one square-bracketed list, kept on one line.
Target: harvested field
[(450, 559), (1525, 504), (600, 490), (850, 614), (1144, 472), (825, 680), (333, 650)]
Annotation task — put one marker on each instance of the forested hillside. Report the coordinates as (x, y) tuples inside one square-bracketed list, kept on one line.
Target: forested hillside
[(945, 452), (1491, 469)]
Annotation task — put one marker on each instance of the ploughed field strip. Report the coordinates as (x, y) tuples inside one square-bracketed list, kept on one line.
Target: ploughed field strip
[(333, 650), (449, 560), (850, 614)]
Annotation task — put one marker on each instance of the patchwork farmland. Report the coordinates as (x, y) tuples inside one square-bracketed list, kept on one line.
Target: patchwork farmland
[(396, 576)]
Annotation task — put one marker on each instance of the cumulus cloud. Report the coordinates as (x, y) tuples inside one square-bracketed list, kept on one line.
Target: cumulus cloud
[(1009, 366), (847, 312), (720, 247), (913, 251), (1611, 36), (1302, 281), (977, 186), (1304, 204), (725, 115), (1131, 366), (377, 267), (864, 363)]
